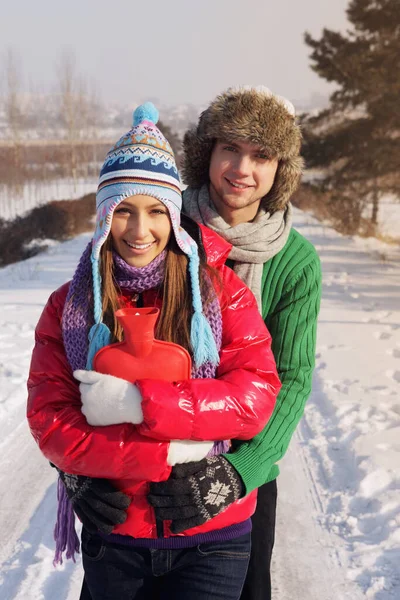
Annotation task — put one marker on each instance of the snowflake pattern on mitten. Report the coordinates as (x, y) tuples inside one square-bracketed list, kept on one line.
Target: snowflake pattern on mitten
[(218, 494), (215, 488)]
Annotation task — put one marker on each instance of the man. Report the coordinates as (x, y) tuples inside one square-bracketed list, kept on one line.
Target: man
[(242, 164)]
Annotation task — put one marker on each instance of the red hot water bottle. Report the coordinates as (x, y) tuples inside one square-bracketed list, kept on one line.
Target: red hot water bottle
[(140, 356)]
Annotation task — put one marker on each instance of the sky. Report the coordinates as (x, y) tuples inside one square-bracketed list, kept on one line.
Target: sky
[(180, 51)]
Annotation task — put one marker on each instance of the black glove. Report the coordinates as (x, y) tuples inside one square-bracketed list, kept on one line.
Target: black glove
[(98, 504), (196, 492)]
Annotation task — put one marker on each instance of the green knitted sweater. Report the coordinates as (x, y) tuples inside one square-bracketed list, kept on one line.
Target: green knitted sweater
[(291, 292)]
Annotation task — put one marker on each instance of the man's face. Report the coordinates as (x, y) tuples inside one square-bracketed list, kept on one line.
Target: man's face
[(241, 174)]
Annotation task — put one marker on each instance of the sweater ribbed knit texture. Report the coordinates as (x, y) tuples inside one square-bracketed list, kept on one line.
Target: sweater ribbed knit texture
[(291, 292)]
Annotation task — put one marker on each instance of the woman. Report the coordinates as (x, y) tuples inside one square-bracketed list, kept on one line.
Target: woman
[(90, 424)]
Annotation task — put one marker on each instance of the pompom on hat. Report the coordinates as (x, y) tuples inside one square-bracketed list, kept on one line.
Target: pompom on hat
[(142, 162)]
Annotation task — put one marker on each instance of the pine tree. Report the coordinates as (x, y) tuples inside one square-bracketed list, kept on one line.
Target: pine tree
[(356, 141)]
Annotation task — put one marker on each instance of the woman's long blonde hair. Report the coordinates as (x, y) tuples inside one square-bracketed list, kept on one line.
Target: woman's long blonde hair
[(173, 324)]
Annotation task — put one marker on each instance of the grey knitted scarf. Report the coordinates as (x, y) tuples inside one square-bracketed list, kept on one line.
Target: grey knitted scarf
[(253, 243)]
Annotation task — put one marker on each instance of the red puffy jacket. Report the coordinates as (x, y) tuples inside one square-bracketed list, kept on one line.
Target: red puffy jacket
[(235, 405)]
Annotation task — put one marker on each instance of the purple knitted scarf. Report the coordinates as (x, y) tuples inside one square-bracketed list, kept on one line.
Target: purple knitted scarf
[(76, 322), (78, 314)]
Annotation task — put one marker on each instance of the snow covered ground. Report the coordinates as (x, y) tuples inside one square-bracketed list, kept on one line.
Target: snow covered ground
[(389, 217), (338, 534), (343, 466)]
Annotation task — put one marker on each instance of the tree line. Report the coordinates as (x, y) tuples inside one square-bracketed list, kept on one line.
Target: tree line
[(64, 134), (355, 142), (353, 145)]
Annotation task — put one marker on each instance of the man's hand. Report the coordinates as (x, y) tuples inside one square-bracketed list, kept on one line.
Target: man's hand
[(196, 492), (108, 400), (97, 503)]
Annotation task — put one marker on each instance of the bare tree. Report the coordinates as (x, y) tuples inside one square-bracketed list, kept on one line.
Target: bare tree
[(14, 113), (68, 108), (79, 112)]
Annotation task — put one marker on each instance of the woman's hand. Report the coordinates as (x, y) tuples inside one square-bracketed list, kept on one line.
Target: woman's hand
[(99, 505), (185, 451), (108, 400)]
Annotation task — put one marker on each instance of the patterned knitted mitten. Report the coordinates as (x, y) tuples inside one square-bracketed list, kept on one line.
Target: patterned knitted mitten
[(196, 492), (97, 503)]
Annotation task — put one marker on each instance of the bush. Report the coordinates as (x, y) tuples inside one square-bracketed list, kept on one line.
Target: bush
[(343, 213), (79, 214), (56, 221), (47, 222)]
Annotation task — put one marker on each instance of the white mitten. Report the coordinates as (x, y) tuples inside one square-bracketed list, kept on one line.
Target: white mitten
[(108, 400), (184, 451)]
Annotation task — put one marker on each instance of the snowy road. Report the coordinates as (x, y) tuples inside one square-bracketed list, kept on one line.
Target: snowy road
[(338, 534), (307, 560)]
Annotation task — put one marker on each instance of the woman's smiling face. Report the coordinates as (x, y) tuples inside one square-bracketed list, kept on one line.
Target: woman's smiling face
[(140, 229)]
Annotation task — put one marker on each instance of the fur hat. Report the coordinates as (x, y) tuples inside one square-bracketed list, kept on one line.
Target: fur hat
[(250, 114), (142, 162)]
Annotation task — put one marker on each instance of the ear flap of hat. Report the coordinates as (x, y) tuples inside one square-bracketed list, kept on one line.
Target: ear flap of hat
[(286, 182), (196, 158)]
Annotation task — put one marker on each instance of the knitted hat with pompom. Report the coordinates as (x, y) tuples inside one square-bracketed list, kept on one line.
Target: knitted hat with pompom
[(142, 162)]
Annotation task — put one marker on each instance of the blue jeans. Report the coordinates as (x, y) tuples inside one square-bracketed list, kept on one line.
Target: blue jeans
[(210, 571)]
